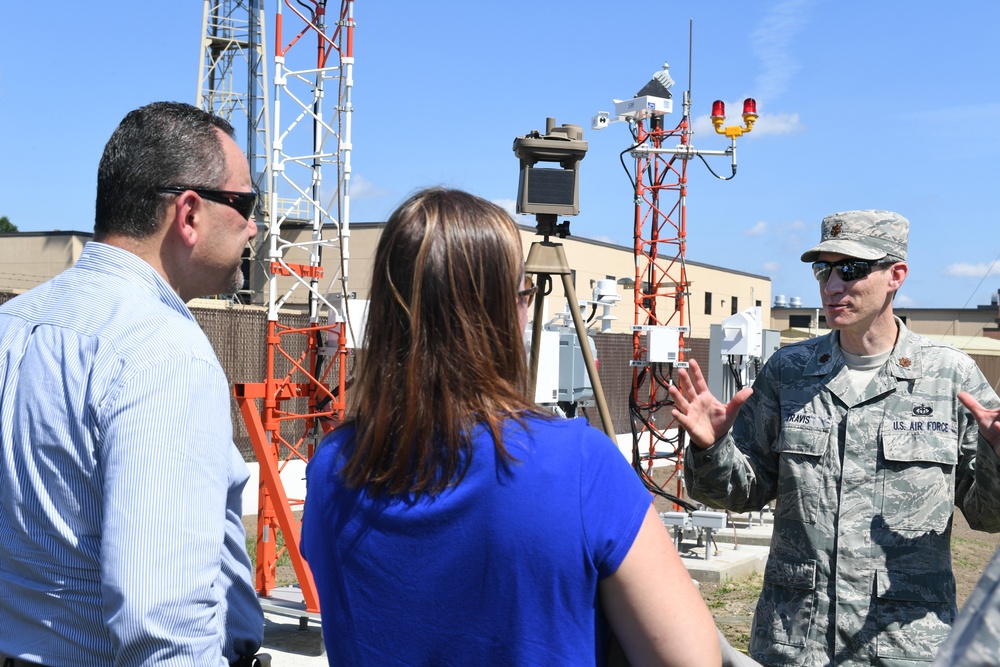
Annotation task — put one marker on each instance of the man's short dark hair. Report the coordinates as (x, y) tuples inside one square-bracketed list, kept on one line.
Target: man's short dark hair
[(164, 143)]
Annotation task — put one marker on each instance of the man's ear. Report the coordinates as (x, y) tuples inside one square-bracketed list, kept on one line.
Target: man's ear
[(897, 274), (184, 223)]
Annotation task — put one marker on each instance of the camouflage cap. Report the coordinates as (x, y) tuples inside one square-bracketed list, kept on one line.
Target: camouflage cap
[(862, 234)]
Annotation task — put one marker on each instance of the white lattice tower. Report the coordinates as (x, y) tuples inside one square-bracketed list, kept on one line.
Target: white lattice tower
[(232, 80), (303, 175)]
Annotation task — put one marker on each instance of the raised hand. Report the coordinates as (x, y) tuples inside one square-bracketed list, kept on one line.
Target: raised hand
[(703, 417), (988, 420)]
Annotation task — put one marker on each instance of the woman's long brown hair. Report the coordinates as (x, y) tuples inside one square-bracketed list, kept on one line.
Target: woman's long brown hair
[(443, 348)]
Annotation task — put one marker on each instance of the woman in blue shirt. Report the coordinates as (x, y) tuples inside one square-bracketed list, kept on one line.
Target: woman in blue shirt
[(450, 521)]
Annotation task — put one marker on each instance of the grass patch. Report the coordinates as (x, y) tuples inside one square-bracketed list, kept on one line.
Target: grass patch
[(732, 603), (745, 589), (284, 572)]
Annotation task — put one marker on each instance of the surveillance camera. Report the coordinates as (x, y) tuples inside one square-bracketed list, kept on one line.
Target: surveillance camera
[(600, 121)]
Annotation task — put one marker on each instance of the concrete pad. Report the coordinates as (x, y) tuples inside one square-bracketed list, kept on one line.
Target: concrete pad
[(292, 635), (288, 601), (744, 533), (726, 561), (290, 644)]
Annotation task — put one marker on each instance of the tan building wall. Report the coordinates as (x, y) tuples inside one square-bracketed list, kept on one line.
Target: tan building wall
[(28, 259), (928, 321), (589, 261)]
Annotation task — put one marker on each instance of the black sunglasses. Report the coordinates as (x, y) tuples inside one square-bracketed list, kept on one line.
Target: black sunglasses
[(849, 270), (242, 202)]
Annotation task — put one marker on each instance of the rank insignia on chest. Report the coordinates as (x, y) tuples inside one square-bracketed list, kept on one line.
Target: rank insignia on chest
[(905, 362), (824, 358)]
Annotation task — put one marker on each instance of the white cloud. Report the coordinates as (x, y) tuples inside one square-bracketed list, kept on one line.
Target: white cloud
[(702, 125), (966, 270), (904, 301), (771, 268), (362, 188), (767, 124), (759, 228), (770, 42), (778, 123), (510, 206)]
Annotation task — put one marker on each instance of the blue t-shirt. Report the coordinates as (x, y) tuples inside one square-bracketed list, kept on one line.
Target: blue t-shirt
[(501, 569)]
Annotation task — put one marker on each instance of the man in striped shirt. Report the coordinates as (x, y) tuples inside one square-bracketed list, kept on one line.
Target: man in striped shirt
[(121, 540)]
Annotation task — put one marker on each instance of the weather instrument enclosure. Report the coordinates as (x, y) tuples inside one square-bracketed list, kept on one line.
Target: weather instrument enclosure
[(551, 190)]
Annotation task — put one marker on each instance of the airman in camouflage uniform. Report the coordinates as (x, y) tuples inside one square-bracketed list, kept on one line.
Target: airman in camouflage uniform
[(864, 468), (975, 639)]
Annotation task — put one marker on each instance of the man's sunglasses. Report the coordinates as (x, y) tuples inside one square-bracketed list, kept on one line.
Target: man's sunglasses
[(242, 202), (849, 270)]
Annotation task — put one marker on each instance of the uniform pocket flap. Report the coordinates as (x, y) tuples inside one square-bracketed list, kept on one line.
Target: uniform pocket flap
[(922, 587), (792, 440), (910, 446), (799, 574)]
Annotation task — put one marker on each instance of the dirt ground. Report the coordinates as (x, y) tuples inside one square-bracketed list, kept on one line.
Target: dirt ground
[(732, 602)]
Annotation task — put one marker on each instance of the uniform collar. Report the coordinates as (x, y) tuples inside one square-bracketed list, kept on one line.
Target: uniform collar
[(903, 362)]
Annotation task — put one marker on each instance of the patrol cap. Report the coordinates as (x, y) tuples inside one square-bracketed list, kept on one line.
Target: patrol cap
[(862, 234)]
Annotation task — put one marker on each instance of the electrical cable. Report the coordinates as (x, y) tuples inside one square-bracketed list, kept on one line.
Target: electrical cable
[(621, 158), (311, 10), (711, 171), (734, 371)]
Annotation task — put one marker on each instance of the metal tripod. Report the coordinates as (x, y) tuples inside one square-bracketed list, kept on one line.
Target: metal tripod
[(546, 259)]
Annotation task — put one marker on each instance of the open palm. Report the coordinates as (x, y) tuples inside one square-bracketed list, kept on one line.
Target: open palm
[(702, 415)]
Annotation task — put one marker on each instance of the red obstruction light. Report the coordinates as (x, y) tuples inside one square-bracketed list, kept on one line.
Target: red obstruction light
[(750, 105), (719, 109)]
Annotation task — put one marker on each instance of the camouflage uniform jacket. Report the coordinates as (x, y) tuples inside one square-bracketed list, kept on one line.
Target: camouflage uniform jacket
[(859, 570), (975, 639)]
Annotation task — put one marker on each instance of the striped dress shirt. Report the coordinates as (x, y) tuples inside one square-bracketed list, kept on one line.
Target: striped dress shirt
[(121, 541)]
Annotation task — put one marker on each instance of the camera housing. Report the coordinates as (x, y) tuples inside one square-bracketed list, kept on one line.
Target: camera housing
[(550, 190), (600, 121)]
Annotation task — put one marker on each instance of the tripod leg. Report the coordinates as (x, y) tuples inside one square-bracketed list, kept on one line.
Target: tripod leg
[(536, 334), (588, 357)]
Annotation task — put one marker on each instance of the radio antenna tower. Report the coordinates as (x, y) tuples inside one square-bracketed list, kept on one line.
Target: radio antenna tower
[(304, 180), (662, 313), (232, 80)]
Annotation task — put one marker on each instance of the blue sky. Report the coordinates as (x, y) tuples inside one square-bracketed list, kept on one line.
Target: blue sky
[(862, 105)]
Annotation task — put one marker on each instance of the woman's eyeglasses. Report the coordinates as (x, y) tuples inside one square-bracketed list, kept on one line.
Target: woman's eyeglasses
[(242, 202), (849, 270), (528, 293)]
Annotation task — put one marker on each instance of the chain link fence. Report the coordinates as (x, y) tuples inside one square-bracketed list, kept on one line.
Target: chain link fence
[(239, 336)]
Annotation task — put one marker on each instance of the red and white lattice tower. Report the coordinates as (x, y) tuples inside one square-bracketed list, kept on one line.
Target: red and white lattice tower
[(305, 200), (661, 285), (662, 315)]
